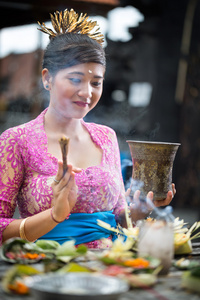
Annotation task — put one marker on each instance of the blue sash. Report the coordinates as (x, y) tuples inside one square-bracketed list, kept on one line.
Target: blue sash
[(83, 228)]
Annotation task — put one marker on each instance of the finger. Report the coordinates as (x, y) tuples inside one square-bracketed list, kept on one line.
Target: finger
[(71, 183), (62, 180), (158, 203), (65, 179), (58, 176), (164, 202), (150, 195), (74, 188), (149, 200), (136, 195), (128, 192), (76, 170), (173, 189), (169, 196), (66, 185)]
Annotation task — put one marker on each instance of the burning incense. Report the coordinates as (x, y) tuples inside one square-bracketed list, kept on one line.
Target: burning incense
[(64, 145)]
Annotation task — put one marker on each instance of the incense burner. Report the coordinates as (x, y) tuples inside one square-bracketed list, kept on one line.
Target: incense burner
[(152, 166)]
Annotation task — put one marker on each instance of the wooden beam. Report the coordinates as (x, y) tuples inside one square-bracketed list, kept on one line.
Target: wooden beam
[(15, 13)]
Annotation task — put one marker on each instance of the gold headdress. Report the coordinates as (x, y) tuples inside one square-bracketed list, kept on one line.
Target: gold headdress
[(70, 21)]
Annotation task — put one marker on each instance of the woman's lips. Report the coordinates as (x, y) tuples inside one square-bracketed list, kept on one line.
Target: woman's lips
[(81, 104)]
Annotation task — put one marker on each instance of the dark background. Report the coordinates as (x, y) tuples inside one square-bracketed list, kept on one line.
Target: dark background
[(164, 51)]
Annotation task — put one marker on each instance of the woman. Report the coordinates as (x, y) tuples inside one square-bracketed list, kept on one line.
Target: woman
[(51, 205)]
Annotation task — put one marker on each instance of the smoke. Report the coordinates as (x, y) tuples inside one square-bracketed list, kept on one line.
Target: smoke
[(126, 163), (140, 201), (144, 204), (154, 131), (137, 198)]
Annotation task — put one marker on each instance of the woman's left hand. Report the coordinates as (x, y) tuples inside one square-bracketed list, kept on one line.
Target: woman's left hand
[(139, 210), (157, 203), (168, 199)]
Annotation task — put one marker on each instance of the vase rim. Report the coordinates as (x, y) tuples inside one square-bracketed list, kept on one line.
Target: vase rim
[(153, 142)]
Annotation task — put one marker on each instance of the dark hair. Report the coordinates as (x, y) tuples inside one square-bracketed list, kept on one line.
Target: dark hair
[(69, 49)]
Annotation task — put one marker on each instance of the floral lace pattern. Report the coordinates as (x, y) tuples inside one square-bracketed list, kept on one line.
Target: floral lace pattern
[(27, 169)]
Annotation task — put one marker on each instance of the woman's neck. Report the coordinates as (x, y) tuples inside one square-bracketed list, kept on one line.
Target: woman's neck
[(56, 125)]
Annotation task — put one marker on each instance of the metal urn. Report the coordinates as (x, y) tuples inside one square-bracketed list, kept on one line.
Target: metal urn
[(152, 166)]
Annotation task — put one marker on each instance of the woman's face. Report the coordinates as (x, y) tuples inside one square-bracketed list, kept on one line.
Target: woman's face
[(74, 91)]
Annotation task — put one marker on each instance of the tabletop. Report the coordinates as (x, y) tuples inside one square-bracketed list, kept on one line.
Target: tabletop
[(167, 288)]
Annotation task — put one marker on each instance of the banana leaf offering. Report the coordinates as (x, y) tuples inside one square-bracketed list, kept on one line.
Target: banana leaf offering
[(17, 250), (13, 281)]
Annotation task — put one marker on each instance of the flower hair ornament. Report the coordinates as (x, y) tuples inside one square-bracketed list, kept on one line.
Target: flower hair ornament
[(71, 22)]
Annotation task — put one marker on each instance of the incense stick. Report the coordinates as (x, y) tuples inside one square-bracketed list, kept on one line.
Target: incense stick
[(64, 145)]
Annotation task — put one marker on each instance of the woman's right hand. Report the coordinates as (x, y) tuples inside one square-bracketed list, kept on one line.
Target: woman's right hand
[(64, 192)]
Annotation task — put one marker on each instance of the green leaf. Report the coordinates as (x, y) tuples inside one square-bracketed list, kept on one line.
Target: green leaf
[(47, 244), (73, 267), (64, 259), (82, 249), (109, 261), (190, 282), (195, 272), (185, 248), (66, 249)]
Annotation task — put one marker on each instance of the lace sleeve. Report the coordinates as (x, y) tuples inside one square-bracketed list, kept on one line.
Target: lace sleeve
[(11, 176)]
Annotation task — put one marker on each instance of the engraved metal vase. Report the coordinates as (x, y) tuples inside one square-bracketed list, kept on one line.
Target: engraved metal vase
[(152, 166)]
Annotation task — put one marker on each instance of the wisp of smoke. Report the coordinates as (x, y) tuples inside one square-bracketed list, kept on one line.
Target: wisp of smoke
[(126, 163), (144, 204)]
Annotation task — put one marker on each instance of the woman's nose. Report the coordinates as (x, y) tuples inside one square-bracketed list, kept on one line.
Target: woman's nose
[(86, 91)]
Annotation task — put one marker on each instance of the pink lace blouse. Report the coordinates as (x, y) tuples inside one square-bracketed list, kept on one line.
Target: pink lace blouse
[(27, 169)]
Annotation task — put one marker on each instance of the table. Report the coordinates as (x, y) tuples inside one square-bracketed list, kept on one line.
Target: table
[(167, 288)]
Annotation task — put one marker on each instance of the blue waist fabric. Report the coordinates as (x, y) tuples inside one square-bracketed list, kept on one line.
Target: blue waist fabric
[(83, 228)]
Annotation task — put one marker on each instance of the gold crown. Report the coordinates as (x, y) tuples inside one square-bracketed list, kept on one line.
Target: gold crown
[(70, 21)]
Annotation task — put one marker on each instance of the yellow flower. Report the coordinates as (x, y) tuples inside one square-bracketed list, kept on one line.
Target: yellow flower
[(120, 248), (131, 232)]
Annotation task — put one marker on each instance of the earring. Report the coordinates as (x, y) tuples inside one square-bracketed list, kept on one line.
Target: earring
[(47, 86)]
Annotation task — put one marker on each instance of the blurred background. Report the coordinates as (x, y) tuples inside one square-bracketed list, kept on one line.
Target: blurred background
[(152, 83)]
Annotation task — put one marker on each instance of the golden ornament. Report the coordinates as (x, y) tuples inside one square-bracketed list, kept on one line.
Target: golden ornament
[(72, 22)]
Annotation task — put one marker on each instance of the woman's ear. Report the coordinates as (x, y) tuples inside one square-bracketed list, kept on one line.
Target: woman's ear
[(46, 79)]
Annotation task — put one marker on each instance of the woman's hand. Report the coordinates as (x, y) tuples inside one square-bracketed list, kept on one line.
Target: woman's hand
[(140, 209), (64, 192), (169, 198)]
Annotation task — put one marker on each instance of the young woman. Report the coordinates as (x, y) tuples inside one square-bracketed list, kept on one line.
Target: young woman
[(51, 205)]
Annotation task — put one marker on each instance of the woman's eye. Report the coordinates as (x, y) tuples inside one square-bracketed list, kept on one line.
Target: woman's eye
[(75, 80), (96, 83)]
